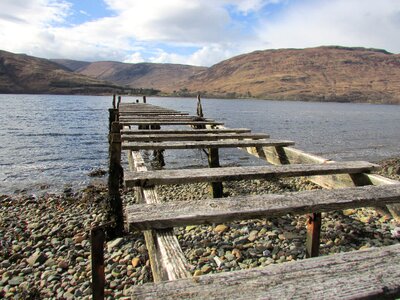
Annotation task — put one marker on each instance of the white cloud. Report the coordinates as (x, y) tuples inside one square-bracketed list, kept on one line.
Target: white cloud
[(366, 23), (152, 30)]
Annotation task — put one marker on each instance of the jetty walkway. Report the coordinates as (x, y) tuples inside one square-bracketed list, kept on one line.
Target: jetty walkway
[(134, 127)]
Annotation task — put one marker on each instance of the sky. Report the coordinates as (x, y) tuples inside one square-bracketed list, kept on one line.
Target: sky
[(195, 32)]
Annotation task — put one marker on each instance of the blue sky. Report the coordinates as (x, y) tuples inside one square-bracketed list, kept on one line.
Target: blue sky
[(198, 32)]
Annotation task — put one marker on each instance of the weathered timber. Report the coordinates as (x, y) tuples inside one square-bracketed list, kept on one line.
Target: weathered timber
[(208, 211), (313, 234), (276, 155), (144, 99), (150, 122), (186, 131), (184, 176), (193, 137), (134, 113), (97, 238), (204, 144), (163, 119), (367, 274), (213, 162), (113, 117), (168, 262), (115, 177)]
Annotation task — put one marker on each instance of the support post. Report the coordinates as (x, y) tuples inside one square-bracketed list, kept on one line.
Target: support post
[(113, 117), (119, 101), (144, 99), (313, 234), (97, 237), (113, 102), (213, 162), (115, 177), (158, 154)]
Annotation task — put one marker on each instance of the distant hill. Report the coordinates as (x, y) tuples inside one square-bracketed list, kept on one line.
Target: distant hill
[(314, 74), (164, 77), (71, 65), (21, 73)]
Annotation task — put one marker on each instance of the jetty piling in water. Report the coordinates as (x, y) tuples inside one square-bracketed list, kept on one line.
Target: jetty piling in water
[(157, 218)]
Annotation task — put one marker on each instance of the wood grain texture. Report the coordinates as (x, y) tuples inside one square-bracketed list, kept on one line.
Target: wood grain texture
[(367, 274), (185, 131), (168, 262), (208, 211), (149, 122), (204, 144), (183, 176), (193, 137), (289, 155)]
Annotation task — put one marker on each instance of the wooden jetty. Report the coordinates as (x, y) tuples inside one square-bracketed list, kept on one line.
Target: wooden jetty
[(363, 274)]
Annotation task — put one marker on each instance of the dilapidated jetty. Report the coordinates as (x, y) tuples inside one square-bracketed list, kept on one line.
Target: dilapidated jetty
[(366, 274)]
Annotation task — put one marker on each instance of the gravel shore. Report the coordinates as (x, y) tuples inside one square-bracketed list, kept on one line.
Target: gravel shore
[(45, 245)]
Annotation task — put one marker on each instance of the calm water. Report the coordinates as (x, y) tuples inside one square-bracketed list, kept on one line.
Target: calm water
[(51, 140)]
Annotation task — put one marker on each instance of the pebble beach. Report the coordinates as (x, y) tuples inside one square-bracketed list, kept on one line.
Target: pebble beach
[(45, 240)]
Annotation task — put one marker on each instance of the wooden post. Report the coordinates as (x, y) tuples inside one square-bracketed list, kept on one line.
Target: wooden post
[(115, 177), (119, 101), (199, 107), (213, 162), (97, 238), (113, 117), (144, 99), (313, 234), (113, 103), (158, 154)]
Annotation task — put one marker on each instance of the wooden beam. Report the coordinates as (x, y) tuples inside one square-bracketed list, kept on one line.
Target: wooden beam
[(277, 155), (127, 123), (193, 137), (185, 131), (208, 211), (204, 144), (184, 176), (213, 162), (367, 274), (168, 262)]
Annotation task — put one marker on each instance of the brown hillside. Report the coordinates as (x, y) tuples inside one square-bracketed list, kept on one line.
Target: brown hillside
[(164, 77), (21, 73), (321, 74)]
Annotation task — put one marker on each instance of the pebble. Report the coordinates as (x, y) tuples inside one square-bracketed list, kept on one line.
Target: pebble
[(46, 249)]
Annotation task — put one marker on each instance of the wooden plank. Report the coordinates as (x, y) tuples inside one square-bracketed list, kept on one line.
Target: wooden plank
[(204, 144), (168, 262), (193, 137), (291, 155), (163, 119), (184, 176), (152, 113), (127, 123), (208, 211), (186, 131), (367, 274)]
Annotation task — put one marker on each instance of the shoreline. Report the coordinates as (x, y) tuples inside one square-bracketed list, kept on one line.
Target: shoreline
[(45, 247)]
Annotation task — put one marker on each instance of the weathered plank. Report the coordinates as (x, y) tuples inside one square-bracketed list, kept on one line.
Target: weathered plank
[(367, 274), (289, 155), (204, 144), (184, 176), (208, 211), (150, 122), (168, 262), (186, 131), (152, 113), (193, 137)]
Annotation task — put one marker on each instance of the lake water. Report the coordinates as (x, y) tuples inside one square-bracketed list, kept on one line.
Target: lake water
[(48, 141)]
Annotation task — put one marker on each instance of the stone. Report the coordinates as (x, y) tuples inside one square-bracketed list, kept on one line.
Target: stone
[(253, 235), (63, 264), (135, 262), (349, 212), (190, 227), (36, 257), (206, 269), (221, 228), (17, 280), (197, 273), (114, 244)]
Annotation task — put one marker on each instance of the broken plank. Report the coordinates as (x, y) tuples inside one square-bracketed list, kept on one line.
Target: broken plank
[(209, 211), (204, 144), (127, 123), (186, 131), (193, 137), (185, 176), (368, 274)]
